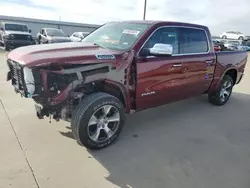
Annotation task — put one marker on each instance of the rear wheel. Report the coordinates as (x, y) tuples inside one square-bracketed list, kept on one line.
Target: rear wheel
[(222, 95), (241, 38), (224, 37), (98, 120)]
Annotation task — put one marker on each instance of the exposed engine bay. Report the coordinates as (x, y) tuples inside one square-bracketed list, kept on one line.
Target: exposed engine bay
[(57, 90)]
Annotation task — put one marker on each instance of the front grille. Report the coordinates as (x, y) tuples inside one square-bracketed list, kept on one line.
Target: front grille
[(21, 37), (16, 71)]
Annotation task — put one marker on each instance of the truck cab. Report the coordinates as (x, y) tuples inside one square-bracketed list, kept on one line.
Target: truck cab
[(122, 68), (186, 71)]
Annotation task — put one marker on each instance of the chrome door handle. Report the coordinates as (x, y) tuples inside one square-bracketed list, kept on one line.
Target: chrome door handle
[(209, 61), (177, 65)]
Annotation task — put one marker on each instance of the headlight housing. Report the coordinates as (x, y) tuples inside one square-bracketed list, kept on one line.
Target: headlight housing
[(10, 36), (29, 81)]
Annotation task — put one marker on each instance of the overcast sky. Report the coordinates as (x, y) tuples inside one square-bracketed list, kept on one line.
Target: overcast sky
[(219, 15)]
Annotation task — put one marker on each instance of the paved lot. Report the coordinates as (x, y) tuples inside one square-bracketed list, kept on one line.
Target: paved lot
[(189, 144)]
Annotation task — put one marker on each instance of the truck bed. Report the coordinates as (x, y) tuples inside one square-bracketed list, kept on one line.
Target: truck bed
[(229, 60), (234, 58)]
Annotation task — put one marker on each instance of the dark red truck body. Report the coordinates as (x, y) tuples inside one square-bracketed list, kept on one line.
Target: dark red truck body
[(63, 77), (143, 82)]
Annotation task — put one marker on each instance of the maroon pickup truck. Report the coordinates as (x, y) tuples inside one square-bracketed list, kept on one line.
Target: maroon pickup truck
[(121, 68)]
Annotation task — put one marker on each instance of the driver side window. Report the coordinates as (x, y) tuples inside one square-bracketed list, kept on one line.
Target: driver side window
[(44, 33), (165, 35)]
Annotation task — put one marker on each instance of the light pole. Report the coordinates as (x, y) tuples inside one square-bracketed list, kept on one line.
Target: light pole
[(145, 9), (59, 23)]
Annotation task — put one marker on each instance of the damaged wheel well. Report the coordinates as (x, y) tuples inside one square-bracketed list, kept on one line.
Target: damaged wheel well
[(115, 91), (101, 86)]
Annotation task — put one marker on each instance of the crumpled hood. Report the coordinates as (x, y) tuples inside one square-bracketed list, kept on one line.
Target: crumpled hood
[(62, 53), (8, 32)]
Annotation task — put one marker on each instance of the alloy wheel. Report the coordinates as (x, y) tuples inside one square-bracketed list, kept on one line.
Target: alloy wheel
[(103, 123), (225, 91)]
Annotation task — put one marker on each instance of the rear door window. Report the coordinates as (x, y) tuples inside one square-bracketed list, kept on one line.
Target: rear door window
[(193, 40)]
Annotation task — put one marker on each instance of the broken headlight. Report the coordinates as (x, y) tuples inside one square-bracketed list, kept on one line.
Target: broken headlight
[(57, 82)]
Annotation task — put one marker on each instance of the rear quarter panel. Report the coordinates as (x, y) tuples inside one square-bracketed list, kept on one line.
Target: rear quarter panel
[(226, 61)]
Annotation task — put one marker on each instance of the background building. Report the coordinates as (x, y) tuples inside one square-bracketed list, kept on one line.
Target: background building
[(35, 25)]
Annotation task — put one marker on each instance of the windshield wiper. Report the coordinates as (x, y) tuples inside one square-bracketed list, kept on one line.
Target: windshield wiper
[(96, 44)]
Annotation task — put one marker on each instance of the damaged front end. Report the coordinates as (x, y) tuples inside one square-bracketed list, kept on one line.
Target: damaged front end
[(56, 89)]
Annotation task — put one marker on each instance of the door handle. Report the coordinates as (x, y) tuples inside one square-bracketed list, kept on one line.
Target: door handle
[(209, 62), (177, 65)]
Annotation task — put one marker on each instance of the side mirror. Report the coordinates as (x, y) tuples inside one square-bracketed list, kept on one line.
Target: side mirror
[(161, 50), (30, 31)]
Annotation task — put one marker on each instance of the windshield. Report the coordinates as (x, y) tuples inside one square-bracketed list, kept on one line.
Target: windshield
[(84, 34), (55, 33), (117, 36), (16, 27)]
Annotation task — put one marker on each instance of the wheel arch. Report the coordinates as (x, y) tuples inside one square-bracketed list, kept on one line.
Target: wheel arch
[(233, 72), (117, 91)]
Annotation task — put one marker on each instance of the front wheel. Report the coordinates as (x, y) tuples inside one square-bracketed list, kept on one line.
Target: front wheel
[(98, 120), (241, 38), (223, 93), (6, 48)]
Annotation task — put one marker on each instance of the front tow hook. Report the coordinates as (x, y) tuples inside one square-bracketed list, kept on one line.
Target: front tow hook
[(40, 111)]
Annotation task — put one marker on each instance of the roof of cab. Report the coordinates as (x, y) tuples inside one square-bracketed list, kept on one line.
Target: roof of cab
[(158, 22), (12, 23)]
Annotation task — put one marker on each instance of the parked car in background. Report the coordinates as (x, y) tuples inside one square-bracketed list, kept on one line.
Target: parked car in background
[(78, 36), (234, 35), (52, 35), (13, 35), (232, 45), (217, 45), (236, 45), (246, 44)]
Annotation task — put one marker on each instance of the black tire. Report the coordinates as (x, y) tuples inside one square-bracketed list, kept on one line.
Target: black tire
[(39, 40), (84, 111), (241, 38), (6, 48), (215, 98), (224, 37)]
